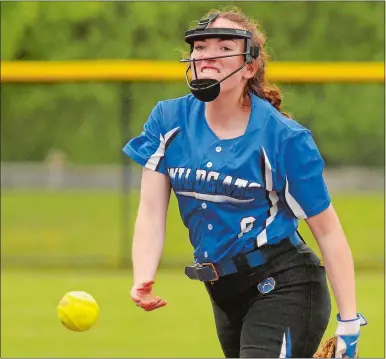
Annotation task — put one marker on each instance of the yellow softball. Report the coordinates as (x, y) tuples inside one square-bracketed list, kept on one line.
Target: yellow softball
[(78, 311)]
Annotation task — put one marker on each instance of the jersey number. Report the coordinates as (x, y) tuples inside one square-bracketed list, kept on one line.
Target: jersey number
[(246, 225)]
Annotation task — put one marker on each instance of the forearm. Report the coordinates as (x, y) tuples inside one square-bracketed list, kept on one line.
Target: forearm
[(339, 266), (148, 243)]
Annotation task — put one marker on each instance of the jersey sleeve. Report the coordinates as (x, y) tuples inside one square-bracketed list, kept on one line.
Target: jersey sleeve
[(148, 149), (305, 191)]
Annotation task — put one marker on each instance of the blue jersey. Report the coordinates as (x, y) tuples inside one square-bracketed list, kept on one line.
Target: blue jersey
[(236, 194)]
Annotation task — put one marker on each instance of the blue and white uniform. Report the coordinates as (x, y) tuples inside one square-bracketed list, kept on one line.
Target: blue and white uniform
[(237, 194)]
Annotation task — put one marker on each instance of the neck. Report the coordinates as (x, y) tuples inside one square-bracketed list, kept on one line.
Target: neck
[(226, 108)]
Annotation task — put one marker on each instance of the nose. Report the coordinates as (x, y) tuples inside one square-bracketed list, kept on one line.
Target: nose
[(208, 61), (204, 61), (207, 53)]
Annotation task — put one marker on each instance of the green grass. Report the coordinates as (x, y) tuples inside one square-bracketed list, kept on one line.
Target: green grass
[(59, 226), (62, 227), (184, 328)]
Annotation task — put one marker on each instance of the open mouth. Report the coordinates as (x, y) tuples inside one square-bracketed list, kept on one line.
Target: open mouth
[(209, 70)]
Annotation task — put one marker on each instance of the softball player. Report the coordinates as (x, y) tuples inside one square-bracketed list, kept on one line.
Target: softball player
[(244, 173)]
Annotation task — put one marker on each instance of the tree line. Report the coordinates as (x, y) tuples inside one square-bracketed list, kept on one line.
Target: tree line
[(92, 121)]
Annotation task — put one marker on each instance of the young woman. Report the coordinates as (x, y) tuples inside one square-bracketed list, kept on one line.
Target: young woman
[(244, 173)]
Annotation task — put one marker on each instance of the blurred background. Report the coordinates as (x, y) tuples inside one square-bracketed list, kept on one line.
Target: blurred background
[(69, 196)]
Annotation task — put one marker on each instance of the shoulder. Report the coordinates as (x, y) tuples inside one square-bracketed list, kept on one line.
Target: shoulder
[(175, 112), (294, 140), (289, 130), (287, 125)]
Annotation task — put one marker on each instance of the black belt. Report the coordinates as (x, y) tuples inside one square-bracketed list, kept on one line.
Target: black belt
[(210, 272)]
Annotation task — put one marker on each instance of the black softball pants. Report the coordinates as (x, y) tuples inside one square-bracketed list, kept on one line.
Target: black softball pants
[(288, 321)]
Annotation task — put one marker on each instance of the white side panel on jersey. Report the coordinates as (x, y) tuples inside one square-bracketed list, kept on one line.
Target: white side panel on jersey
[(262, 237), (293, 204), (268, 172), (217, 198), (283, 351), (156, 157)]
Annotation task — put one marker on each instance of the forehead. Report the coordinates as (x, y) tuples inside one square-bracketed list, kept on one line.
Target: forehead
[(224, 23), (221, 22)]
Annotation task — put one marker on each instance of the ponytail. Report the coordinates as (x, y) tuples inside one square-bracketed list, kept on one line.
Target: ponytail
[(258, 85), (273, 96)]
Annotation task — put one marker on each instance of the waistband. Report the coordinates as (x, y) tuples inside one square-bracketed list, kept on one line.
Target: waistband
[(208, 272)]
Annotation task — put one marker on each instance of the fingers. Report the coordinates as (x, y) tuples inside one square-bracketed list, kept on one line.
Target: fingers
[(153, 302), (142, 296), (151, 305), (160, 304)]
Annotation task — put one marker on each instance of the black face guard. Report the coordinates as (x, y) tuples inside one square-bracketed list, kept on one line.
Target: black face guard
[(208, 90)]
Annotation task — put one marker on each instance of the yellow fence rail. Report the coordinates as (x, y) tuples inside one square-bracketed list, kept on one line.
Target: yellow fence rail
[(144, 70)]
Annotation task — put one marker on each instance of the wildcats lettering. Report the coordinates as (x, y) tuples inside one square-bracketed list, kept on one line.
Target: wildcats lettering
[(209, 182)]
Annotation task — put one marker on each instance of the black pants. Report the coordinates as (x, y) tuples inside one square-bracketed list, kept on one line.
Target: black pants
[(288, 321)]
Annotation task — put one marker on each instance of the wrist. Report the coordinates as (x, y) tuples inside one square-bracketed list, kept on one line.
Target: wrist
[(347, 327), (141, 277), (139, 282), (350, 326), (347, 316)]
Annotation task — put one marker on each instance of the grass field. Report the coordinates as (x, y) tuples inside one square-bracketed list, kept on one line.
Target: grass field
[(184, 328), (56, 227)]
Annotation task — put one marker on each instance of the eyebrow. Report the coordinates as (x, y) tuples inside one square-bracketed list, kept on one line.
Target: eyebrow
[(220, 40)]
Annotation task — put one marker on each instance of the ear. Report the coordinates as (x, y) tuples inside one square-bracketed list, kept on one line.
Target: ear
[(250, 70)]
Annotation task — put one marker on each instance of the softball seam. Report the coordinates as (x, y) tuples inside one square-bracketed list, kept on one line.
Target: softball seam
[(84, 301), (71, 321)]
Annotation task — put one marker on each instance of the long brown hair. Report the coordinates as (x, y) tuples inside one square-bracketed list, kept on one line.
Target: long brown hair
[(258, 84)]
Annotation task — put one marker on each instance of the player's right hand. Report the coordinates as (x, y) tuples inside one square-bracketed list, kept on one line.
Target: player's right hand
[(142, 296)]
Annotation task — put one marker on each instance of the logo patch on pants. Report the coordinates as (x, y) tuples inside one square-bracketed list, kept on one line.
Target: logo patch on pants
[(267, 285)]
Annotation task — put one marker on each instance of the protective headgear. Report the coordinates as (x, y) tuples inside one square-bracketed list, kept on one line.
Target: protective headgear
[(208, 89)]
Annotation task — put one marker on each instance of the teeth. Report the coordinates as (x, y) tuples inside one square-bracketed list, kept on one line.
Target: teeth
[(209, 70)]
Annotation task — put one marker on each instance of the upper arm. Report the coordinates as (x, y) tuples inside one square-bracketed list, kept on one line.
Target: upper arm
[(155, 194), (148, 150)]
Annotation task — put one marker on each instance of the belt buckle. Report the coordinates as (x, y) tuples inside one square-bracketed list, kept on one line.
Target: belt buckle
[(213, 269)]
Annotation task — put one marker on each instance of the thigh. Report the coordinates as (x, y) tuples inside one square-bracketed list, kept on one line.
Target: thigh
[(290, 320), (228, 331)]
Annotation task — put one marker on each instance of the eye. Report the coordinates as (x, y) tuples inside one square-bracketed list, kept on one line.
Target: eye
[(199, 47), (226, 48)]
